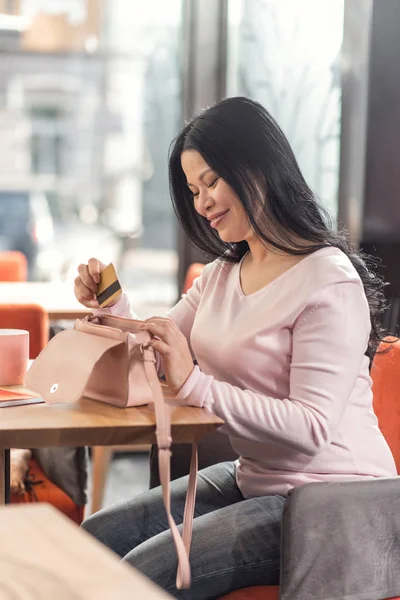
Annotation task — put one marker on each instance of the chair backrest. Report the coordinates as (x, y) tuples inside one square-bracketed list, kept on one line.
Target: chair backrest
[(193, 271), (13, 266), (385, 373), (32, 318)]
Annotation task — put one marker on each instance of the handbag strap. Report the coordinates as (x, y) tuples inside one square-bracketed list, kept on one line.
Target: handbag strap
[(164, 440)]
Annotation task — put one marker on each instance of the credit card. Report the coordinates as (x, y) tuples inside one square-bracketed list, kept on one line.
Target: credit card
[(109, 287)]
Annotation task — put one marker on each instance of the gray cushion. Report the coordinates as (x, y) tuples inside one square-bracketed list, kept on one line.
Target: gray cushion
[(67, 468), (342, 540)]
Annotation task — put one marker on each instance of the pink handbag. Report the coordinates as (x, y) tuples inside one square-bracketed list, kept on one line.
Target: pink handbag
[(108, 359)]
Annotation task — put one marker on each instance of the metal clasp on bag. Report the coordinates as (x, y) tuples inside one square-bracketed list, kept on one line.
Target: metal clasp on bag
[(147, 355)]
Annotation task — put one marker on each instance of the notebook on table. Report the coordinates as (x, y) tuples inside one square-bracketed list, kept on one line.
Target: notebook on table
[(11, 398)]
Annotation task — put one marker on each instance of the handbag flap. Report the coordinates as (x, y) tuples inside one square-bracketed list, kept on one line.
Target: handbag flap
[(61, 371), (121, 323)]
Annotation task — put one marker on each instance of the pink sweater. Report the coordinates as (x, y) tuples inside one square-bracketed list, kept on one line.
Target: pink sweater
[(285, 369)]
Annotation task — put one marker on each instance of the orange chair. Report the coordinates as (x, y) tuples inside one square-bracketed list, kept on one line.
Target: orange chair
[(41, 489), (30, 317), (193, 271), (385, 375), (13, 266)]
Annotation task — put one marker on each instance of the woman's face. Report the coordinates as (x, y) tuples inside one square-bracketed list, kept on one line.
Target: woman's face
[(215, 200)]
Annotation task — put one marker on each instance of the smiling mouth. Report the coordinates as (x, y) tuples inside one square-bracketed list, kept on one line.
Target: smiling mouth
[(214, 222)]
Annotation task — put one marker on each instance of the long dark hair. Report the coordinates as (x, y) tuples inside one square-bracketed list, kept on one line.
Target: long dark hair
[(244, 145)]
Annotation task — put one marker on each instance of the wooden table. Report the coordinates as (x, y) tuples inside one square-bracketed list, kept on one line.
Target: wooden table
[(47, 557), (90, 423), (57, 298)]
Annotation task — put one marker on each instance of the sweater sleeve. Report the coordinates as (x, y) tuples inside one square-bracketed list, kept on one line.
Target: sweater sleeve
[(329, 341)]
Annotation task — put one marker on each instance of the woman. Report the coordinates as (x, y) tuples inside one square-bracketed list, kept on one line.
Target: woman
[(283, 325)]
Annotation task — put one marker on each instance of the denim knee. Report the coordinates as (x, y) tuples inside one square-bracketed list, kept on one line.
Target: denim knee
[(93, 525), (102, 528), (156, 559)]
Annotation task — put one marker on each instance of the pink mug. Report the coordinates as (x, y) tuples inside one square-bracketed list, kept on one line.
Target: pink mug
[(14, 355)]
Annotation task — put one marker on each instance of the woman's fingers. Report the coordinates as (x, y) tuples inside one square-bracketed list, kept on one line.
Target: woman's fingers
[(85, 284), (82, 289), (162, 328), (85, 292), (84, 295), (95, 267), (86, 278), (161, 347), (161, 320)]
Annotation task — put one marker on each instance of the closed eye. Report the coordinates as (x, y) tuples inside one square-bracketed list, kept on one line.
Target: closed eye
[(213, 183)]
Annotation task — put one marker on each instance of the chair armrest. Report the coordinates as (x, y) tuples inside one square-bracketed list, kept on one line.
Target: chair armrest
[(342, 540)]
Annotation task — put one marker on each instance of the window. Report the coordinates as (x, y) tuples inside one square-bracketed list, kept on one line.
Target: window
[(47, 141), (286, 56)]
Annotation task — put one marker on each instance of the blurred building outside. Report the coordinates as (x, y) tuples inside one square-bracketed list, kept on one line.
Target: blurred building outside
[(90, 100), (89, 103)]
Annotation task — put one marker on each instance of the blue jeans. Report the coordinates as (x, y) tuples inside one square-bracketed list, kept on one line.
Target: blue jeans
[(236, 542)]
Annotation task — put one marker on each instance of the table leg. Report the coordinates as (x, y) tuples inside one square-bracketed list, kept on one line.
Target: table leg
[(4, 476), (101, 456)]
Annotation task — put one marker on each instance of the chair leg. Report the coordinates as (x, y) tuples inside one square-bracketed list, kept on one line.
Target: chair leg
[(101, 456)]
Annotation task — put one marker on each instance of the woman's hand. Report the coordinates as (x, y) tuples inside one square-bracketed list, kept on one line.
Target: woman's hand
[(86, 283), (172, 345)]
